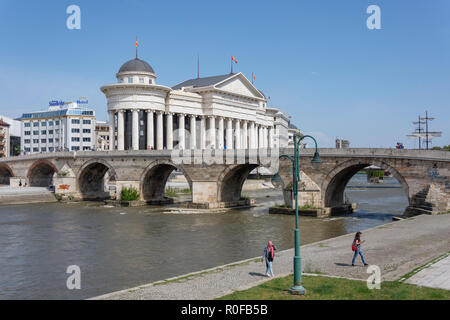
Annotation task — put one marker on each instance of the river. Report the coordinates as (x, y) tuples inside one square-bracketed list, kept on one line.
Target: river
[(119, 248)]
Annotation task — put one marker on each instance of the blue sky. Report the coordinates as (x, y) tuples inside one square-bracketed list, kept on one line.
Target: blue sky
[(315, 59)]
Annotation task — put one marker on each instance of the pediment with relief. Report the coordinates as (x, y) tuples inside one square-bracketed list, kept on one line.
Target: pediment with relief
[(239, 85)]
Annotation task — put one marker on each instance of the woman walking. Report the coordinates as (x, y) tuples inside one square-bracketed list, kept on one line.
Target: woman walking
[(356, 247), (269, 255)]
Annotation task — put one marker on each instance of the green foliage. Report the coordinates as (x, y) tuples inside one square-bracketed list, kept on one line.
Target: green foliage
[(171, 192), (326, 288), (129, 194), (444, 148), (375, 173)]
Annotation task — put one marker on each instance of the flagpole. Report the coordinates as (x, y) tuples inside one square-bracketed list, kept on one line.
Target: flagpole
[(136, 48), (231, 64)]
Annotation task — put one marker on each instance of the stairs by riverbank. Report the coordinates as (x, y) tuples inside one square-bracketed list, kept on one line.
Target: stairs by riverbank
[(9, 195)]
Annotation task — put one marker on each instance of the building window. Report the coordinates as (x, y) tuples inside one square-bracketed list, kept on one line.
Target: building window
[(57, 140), (130, 80), (74, 148), (75, 121), (51, 149), (86, 130), (27, 124), (50, 140), (27, 149), (141, 80), (43, 149), (36, 133), (75, 139), (150, 81), (86, 139), (56, 131), (86, 148), (35, 124), (35, 140), (50, 123), (44, 132), (35, 149), (50, 131), (27, 141), (57, 122), (27, 133), (43, 123), (121, 80), (86, 121), (43, 140), (75, 130)]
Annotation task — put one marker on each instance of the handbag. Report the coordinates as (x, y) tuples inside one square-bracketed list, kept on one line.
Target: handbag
[(354, 247)]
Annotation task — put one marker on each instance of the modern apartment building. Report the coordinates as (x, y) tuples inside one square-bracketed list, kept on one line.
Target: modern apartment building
[(4, 139), (63, 127)]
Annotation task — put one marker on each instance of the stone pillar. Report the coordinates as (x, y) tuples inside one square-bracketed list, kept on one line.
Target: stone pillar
[(112, 130), (181, 135), (212, 132), (193, 133), (245, 135), (220, 135), (120, 131), (260, 137), (229, 133), (237, 134), (150, 132), (251, 139), (202, 133), (135, 130), (271, 138), (169, 133), (159, 131)]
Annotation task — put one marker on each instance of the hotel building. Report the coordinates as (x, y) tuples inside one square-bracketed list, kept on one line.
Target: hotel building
[(63, 127)]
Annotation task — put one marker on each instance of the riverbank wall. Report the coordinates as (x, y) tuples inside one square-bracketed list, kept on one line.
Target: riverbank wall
[(10, 195)]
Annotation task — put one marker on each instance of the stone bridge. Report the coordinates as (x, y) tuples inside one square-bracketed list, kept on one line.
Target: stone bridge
[(216, 177)]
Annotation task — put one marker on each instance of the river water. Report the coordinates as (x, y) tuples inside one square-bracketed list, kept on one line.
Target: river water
[(119, 248)]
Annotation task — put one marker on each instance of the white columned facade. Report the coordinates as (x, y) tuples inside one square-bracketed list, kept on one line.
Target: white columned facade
[(229, 133), (220, 134), (111, 130), (260, 138), (237, 133), (135, 130), (150, 136), (159, 131), (181, 135), (202, 133), (245, 135), (120, 131), (193, 133), (251, 137), (271, 138), (169, 133), (212, 132)]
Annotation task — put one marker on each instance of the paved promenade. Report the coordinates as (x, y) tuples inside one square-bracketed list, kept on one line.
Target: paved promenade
[(435, 276), (397, 248)]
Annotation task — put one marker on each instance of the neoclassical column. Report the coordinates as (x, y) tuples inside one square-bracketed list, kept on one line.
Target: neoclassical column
[(271, 138), (193, 140), (120, 131), (169, 132), (237, 133), (251, 139), (159, 131), (220, 135), (112, 128), (135, 130), (150, 132), (181, 133), (259, 144), (244, 135), (212, 132), (202, 132), (229, 133)]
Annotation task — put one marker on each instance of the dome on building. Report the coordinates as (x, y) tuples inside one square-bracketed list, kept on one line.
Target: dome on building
[(136, 65)]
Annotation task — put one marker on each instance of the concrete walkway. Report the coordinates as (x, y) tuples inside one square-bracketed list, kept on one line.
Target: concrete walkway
[(397, 248), (10, 195), (435, 276)]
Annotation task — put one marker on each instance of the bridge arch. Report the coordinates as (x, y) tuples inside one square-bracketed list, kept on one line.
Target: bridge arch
[(91, 179), (5, 173), (336, 180), (154, 178), (41, 173), (231, 180)]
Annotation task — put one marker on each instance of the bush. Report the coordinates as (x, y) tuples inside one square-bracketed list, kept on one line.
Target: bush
[(129, 194)]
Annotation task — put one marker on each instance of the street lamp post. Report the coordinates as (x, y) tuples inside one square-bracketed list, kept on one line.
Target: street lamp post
[(297, 288)]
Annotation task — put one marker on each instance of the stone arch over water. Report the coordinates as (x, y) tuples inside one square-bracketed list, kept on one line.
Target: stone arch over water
[(231, 180), (154, 179), (92, 179), (336, 180), (41, 174), (5, 173)]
